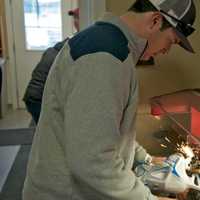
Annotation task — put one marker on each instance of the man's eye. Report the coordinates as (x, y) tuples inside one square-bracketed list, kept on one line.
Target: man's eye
[(177, 41)]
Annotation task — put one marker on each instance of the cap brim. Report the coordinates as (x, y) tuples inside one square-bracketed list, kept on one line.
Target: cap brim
[(184, 42)]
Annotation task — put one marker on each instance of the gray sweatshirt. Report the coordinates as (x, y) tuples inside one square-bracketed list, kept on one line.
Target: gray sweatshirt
[(84, 146)]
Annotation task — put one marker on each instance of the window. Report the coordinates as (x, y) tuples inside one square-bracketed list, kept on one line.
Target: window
[(43, 27)]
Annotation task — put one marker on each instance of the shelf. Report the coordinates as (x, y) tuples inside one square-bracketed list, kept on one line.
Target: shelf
[(183, 110)]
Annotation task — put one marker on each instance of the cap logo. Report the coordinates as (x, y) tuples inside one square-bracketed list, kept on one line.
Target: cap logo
[(173, 22)]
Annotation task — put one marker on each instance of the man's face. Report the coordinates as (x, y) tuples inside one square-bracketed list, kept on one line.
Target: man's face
[(160, 42), (76, 22)]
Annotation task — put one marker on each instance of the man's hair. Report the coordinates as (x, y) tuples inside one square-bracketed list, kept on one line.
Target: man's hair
[(141, 6)]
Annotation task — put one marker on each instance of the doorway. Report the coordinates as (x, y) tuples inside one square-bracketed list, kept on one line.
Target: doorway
[(36, 25), (24, 55)]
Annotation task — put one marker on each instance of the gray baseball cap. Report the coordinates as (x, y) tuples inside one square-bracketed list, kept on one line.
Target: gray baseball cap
[(181, 15)]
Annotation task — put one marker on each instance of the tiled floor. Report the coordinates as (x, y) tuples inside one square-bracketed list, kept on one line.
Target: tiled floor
[(13, 119)]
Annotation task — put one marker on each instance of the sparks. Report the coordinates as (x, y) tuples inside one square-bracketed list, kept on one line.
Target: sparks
[(167, 139), (164, 146), (157, 117), (187, 150)]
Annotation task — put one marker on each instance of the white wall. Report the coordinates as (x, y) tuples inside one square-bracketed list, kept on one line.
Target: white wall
[(90, 11)]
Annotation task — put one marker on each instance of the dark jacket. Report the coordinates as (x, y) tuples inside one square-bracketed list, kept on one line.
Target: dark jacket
[(35, 88)]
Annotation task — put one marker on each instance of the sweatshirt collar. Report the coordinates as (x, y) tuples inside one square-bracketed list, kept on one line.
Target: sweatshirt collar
[(136, 43)]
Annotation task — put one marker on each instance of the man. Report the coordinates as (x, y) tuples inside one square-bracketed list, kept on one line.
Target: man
[(84, 147), (34, 91)]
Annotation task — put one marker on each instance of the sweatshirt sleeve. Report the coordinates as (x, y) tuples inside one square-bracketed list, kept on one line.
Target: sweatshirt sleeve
[(93, 111), (141, 154)]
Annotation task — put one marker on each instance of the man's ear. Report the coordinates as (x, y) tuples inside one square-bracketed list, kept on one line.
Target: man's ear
[(155, 22)]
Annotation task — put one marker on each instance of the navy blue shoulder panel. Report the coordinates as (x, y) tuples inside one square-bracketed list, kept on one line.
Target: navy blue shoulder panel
[(100, 37)]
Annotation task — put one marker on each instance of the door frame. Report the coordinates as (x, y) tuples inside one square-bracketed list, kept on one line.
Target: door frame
[(12, 74), (90, 10)]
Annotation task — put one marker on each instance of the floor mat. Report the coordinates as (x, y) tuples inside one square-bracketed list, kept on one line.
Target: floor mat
[(12, 188), (7, 158), (20, 136)]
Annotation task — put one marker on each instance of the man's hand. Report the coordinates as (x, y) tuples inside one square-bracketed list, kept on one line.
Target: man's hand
[(158, 160), (182, 196)]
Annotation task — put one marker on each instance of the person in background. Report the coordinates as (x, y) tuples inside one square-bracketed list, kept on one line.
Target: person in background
[(34, 91), (75, 14), (84, 146)]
